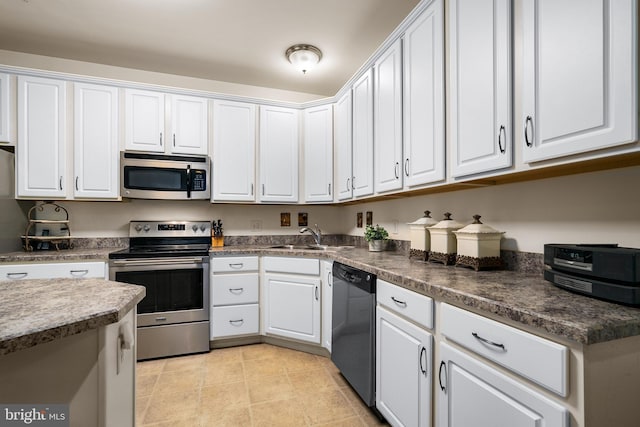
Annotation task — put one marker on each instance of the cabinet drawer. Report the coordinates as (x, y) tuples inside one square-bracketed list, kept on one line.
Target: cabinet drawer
[(82, 270), (231, 289), (292, 265), (234, 263), (235, 320), (540, 360), (411, 305)]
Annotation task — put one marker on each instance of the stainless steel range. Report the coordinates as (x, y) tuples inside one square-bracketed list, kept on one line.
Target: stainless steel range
[(170, 259)]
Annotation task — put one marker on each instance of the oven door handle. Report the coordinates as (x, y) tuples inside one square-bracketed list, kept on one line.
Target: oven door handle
[(156, 261)]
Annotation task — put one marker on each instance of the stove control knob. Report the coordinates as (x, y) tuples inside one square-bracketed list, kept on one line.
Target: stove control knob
[(146, 228), (138, 228), (202, 228), (194, 227)]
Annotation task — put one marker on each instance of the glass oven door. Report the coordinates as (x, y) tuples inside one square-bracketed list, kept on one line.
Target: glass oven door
[(177, 288)]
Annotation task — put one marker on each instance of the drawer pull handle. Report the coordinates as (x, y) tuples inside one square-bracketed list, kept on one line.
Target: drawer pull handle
[(486, 341), (238, 322), (77, 273), (17, 275), (528, 124), (237, 265), (400, 303), (236, 290), (423, 350), (161, 319), (442, 387)]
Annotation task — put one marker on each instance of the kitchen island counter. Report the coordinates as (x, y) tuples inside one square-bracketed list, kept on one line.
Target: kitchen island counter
[(43, 310)]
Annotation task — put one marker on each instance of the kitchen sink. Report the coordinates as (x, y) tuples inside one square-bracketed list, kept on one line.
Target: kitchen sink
[(309, 247)]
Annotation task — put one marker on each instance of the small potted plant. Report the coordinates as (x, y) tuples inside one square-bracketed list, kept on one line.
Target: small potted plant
[(377, 237)]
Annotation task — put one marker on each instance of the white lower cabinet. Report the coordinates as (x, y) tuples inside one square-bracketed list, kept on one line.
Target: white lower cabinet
[(235, 294), (70, 270), (291, 292), (471, 393), (404, 351), (327, 303)]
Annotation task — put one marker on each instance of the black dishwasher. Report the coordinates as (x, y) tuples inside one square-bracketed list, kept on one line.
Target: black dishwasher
[(353, 346)]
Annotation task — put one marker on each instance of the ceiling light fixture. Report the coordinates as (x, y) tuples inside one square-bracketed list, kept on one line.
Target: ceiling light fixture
[(303, 56)]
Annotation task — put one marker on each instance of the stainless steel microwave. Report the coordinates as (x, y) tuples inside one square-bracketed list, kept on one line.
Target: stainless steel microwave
[(164, 177)]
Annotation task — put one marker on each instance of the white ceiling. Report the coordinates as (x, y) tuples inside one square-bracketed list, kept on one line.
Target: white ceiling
[(239, 41)]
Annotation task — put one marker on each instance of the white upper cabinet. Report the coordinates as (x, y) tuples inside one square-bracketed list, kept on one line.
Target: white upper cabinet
[(480, 75), (234, 142), (40, 152), (342, 129), (5, 131), (388, 119), (278, 154), (362, 135), (423, 98), (95, 141), (318, 154), (188, 125), (144, 121), (579, 76)]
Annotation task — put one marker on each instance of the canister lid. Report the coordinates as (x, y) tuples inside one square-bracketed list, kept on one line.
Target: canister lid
[(477, 227), (426, 220), (447, 223)]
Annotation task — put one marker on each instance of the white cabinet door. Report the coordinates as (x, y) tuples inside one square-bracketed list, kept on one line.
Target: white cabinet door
[(95, 141), (388, 119), (318, 154), (470, 393), (41, 148), (480, 76), (327, 302), (579, 76), (5, 131), (292, 307), (234, 147), (403, 370), (343, 147), (278, 154), (188, 125), (144, 120), (423, 98), (362, 135)]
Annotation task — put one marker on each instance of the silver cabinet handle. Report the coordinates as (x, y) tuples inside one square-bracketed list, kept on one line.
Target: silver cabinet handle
[(400, 303), (423, 350), (528, 123), (329, 278), (252, 188), (78, 273), (488, 342), (161, 319), (77, 183), (160, 139), (237, 322), (17, 275), (174, 139), (348, 183), (236, 290), (263, 189), (60, 182), (442, 387), (406, 167), (501, 132), (236, 265), (395, 170), (329, 188), (316, 293)]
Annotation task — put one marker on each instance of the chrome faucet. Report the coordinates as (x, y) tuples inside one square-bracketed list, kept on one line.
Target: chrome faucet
[(317, 234)]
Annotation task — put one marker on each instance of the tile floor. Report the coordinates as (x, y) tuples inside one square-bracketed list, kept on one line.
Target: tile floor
[(254, 385)]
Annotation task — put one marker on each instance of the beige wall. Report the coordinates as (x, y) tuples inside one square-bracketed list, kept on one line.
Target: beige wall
[(594, 207)]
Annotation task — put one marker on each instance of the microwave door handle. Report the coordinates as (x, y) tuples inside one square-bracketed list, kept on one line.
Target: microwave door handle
[(188, 181)]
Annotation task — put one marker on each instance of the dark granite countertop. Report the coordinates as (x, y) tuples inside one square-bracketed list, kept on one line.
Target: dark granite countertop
[(522, 298), (38, 311)]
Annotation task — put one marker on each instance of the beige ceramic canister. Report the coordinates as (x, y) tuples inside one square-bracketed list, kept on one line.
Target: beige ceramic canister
[(479, 246), (420, 238), (443, 241)]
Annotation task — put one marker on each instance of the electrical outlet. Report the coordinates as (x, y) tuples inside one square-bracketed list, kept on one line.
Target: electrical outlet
[(256, 224)]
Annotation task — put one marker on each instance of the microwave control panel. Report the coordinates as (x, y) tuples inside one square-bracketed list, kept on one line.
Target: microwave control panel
[(199, 180)]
